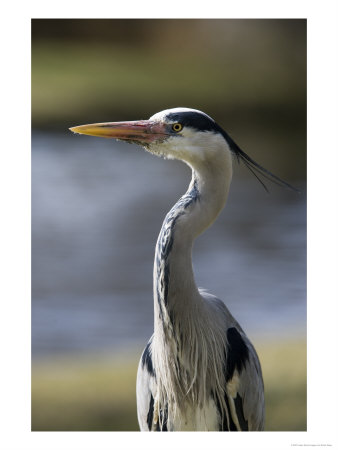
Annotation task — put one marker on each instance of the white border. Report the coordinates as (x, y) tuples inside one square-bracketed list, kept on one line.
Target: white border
[(322, 223)]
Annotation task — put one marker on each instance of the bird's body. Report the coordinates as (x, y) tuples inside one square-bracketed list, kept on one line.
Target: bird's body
[(199, 371), (181, 381)]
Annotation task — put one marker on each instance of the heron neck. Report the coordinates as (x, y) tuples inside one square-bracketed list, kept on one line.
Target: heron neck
[(175, 290)]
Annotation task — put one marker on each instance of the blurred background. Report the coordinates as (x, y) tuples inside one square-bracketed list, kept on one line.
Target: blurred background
[(98, 205)]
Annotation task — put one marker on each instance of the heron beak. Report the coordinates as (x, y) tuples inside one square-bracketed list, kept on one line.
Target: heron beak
[(139, 131)]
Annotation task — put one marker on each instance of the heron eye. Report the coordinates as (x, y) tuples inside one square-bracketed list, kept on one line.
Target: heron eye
[(177, 127)]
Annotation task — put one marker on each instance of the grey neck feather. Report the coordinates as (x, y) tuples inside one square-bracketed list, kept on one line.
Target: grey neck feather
[(175, 290), (182, 346), (173, 254)]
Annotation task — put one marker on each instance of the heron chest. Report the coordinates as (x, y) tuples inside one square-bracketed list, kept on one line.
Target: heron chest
[(199, 419)]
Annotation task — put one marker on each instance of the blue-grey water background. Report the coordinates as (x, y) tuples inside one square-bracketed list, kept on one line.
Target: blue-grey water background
[(97, 208)]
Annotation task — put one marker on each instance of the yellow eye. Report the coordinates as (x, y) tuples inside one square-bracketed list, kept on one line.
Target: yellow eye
[(177, 127)]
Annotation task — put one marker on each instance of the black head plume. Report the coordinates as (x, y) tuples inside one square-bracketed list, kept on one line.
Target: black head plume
[(255, 168), (200, 121)]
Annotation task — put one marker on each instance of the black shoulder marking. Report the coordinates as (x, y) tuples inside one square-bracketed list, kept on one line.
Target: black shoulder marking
[(163, 420), (150, 413), (147, 359), (224, 425), (163, 417), (237, 353), (240, 414)]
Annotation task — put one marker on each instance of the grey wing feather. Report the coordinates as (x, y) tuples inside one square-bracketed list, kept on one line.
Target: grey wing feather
[(246, 389), (244, 381), (145, 389)]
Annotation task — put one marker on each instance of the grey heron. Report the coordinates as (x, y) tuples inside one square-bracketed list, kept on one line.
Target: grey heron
[(199, 371)]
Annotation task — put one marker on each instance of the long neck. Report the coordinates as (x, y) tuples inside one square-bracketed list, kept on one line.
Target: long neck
[(175, 290), (180, 359)]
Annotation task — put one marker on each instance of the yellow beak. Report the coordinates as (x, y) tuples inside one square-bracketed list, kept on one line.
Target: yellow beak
[(139, 131)]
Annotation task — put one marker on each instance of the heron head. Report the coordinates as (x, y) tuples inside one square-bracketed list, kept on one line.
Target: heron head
[(186, 134), (178, 133)]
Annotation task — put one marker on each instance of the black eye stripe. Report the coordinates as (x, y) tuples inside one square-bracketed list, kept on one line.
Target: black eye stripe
[(193, 119)]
